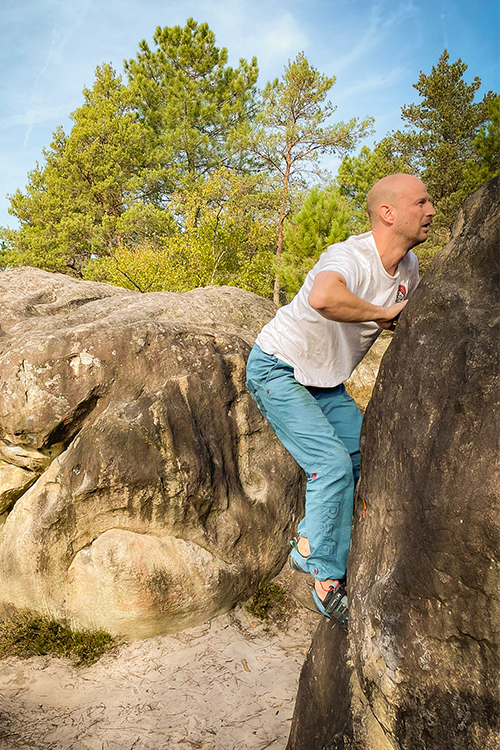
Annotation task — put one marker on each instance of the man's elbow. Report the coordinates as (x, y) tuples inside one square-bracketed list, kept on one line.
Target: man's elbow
[(324, 296), (317, 300), (322, 303)]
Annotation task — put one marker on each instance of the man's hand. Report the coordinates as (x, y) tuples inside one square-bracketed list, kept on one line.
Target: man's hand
[(390, 313)]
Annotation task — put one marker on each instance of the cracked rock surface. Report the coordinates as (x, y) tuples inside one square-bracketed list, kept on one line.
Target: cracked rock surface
[(419, 668), (140, 489)]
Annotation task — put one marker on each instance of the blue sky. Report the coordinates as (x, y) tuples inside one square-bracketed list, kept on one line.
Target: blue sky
[(49, 50)]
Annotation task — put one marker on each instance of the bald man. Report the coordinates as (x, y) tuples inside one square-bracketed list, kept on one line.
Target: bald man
[(301, 359)]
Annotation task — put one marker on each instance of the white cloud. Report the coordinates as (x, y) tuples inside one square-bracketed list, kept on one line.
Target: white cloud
[(380, 22), (271, 32), (285, 37), (34, 116), (371, 84)]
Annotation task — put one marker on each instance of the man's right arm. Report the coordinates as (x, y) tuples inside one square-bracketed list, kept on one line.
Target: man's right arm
[(331, 298)]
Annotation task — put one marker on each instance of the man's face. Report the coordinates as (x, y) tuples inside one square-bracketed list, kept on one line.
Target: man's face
[(414, 213)]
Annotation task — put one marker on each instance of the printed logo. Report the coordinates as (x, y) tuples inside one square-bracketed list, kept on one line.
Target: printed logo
[(401, 295)]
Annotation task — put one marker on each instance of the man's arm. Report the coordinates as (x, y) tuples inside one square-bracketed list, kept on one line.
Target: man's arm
[(332, 299)]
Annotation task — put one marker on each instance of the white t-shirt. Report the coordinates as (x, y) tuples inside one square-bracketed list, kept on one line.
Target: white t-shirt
[(324, 352)]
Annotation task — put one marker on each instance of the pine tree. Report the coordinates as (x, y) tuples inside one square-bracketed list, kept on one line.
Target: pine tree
[(439, 134), (485, 162), (192, 99), (292, 133), (94, 192)]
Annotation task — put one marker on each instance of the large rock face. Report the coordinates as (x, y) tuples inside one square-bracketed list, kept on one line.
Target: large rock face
[(140, 489), (422, 669)]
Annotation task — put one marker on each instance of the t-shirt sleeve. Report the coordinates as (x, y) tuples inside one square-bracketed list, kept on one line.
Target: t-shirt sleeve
[(345, 263), (413, 275)]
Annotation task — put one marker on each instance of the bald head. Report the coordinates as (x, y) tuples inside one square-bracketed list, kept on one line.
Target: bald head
[(400, 213), (389, 191)]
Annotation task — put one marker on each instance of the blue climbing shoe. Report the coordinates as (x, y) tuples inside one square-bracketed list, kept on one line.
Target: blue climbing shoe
[(334, 605)]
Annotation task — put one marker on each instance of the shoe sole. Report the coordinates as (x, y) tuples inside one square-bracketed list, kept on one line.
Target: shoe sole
[(338, 613)]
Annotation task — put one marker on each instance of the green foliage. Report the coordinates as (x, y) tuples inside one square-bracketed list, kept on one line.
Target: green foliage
[(116, 199), (485, 163), (225, 235), (27, 635), (444, 142), (181, 178), (326, 217), (269, 601), (95, 192), (193, 101), (438, 139), (291, 133)]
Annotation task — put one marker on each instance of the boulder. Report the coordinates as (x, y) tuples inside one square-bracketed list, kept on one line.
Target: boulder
[(141, 490), (362, 381), (419, 667)]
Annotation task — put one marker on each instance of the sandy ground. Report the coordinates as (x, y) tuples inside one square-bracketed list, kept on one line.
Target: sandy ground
[(229, 684)]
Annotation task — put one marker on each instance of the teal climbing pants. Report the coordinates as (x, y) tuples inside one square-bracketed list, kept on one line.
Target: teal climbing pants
[(320, 428)]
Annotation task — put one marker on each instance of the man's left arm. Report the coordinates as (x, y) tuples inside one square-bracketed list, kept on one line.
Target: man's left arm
[(331, 298)]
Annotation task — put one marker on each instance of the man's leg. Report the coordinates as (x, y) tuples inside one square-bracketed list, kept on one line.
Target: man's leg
[(306, 431), (343, 414), (345, 417), (336, 519)]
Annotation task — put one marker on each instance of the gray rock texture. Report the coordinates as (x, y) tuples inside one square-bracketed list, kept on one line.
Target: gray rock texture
[(140, 489), (419, 668)]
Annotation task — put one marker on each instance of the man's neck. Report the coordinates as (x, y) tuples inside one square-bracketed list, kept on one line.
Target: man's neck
[(390, 251)]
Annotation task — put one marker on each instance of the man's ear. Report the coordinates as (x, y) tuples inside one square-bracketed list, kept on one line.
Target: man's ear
[(386, 213)]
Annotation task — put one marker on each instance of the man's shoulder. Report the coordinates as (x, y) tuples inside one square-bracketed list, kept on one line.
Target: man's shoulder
[(358, 249), (362, 244), (366, 238), (412, 258), (354, 241)]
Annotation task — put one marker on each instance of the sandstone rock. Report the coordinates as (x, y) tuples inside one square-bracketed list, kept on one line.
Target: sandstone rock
[(162, 495), (321, 721), (25, 458), (13, 482), (423, 663), (362, 381)]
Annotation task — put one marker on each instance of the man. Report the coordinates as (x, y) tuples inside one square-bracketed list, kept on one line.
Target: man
[(301, 359)]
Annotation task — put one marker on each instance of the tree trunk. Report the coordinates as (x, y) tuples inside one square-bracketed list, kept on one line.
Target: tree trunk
[(281, 224)]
